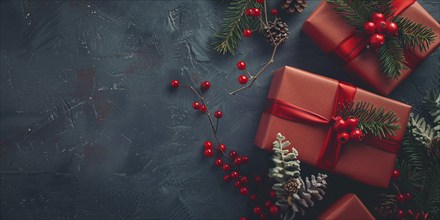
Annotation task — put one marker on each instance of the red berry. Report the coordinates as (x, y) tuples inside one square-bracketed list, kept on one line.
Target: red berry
[(274, 11), (244, 179), (218, 114), (340, 125), (376, 40), (273, 194), (400, 197), (234, 174), (243, 218), (208, 145), (244, 159), (268, 204), (241, 65), (244, 191), (208, 153), (196, 105), (381, 27), (395, 174), (249, 12), (357, 135), (352, 123), (256, 13), (221, 148), (205, 85), (263, 216), (258, 179), (242, 79), (391, 29), (408, 196), (253, 197), (175, 84), (343, 137), (203, 108), (273, 210), (227, 177), (377, 16), (218, 162), (226, 167), (233, 154), (237, 161), (370, 28), (237, 184), (247, 32), (401, 213), (259, 1), (257, 210)]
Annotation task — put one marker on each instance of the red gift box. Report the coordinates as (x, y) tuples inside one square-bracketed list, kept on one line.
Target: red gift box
[(333, 35), (347, 207), (370, 161)]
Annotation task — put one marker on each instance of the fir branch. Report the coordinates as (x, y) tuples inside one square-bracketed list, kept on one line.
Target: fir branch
[(431, 103), (384, 6), (414, 34), (420, 130), (354, 12), (233, 25), (392, 58), (372, 120)]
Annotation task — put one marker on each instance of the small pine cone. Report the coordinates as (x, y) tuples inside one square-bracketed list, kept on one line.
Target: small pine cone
[(276, 32), (294, 6), (387, 206), (434, 147)]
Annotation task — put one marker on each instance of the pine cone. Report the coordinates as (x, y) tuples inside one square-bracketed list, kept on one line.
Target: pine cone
[(294, 6), (276, 32), (387, 206), (434, 147)]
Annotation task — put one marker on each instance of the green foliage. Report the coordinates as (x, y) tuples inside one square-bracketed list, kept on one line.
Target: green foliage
[(419, 130), (431, 103), (233, 25), (287, 165), (372, 120), (384, 6), (413, 34), (392, 58), (354, 12)]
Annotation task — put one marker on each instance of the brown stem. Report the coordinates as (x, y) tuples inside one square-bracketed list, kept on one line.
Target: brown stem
[(265, 12)]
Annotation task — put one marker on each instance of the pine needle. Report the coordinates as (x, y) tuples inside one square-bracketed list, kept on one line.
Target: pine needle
[(414, 34), (355, 12), (392, 58)]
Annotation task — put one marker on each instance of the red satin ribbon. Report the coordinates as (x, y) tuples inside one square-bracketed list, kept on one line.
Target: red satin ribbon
[(330, 151), (355, 42)]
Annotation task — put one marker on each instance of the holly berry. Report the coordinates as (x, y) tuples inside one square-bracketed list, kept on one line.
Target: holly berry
[(205, 85), (253, 197), (227, 178), (226, 167), (233, 154), (218, 162), (221, 148), (395, 174), (377, 16), (241, 65), (218, 114), (273, 210), (249, 12), (244, 179), (391, 29), (381, 27), (268, 204), (244, 191), (243, 218), (208, 152), (234, 174), (247, 32), (237, 161), (242, 79), (400, 197), (256, 12), (203, 108), (340, 125), (207, 145), (352, 123), (273, 194), (370, 28), (257, 210), (258, 179), (175, 84), (244, 159), (343, 137), (263, 216), (408, 196), (376, 40), (259, 1), (274, 12), (401, 213), (357, 135), (196, 105), (237, 184)]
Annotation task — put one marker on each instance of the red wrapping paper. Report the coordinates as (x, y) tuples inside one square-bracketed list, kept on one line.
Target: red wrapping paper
[(347, 207), (316, 93), (327, 30)]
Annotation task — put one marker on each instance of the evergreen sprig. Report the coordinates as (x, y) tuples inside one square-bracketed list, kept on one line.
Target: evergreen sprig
[(431, 103), (354, 12), (372, 120), (414, 34), (233, 25), (392, 58)]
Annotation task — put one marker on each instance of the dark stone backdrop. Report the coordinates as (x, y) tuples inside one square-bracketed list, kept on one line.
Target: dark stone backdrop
[(90, 130)]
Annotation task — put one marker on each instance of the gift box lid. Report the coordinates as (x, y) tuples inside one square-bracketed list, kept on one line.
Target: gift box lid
[(347, 207)]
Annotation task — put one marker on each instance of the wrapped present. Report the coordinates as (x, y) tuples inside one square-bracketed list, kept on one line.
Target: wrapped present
[(301, 105), (334, 35), (347, 207)]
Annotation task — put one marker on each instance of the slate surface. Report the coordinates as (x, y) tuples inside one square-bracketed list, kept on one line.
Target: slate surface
[(90, 130)]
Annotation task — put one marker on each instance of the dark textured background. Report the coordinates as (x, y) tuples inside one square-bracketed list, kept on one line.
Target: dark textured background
[(90, 129)]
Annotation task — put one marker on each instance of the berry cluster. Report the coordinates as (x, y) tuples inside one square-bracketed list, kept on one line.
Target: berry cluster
[(377, 28), (347, 129), (402, 198)]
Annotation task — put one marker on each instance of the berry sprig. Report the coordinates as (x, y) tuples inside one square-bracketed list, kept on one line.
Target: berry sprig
[(377, 28), (230, 162), (347, 129)]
